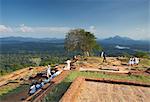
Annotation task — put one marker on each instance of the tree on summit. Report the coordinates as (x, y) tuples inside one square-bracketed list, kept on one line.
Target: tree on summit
[(81, 40)]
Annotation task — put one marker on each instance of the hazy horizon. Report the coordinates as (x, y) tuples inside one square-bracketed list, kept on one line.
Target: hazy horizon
[(64, 38), (54, 18)]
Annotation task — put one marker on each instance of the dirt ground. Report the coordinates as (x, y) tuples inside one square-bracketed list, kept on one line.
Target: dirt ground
[(113, 64), (17, 97), (22, 73), (106, 92), (23, 93), (125, 92)]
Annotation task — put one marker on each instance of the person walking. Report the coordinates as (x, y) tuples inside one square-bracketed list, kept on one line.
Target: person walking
[(104, 57), (102, 54)]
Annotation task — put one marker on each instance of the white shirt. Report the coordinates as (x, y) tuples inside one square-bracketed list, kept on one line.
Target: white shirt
[(136, 60), (32, 89), (102, 54), (49, 71), (68, 64)]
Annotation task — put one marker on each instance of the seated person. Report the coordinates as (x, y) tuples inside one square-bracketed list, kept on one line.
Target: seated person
[(32, 89), (47, 80), (56, 74), (38, 86)]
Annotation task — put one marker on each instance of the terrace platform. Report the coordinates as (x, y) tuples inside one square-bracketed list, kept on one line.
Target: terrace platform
[(106, 90)]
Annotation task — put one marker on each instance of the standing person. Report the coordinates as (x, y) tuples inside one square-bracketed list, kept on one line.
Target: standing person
[(104, 56), (130, 61), (68, 64), (48, 71), (136, 60)]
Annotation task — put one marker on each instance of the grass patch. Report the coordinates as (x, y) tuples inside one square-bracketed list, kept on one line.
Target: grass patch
[(145, 62), (58, 91), (9, 90)]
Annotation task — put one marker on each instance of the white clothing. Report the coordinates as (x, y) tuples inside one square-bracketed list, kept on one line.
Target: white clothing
[(68, 64), (57, 73), (38, 86), (48, 71), (32, 89), (102, 54), (130, 61), (136, 60), (42, 84), (47, 80)]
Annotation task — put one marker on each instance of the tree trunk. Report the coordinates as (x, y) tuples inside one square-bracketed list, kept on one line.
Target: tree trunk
[(86, 53)]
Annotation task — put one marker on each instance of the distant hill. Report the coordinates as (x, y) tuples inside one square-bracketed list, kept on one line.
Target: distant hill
[(113, 46), (118, 45), (29, 39), (122, 41), (111, 40)]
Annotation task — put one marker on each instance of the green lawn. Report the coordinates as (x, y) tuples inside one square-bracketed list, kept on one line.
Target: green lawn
[(61, 88)]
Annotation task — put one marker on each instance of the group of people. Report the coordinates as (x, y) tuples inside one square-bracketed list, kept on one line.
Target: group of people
[(133, 61), (50, 74), (36, 86)]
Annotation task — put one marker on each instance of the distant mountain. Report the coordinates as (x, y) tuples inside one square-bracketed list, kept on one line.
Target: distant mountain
[(116, 40), (113, 46), (111, 40), (122, 41), (29, 39)]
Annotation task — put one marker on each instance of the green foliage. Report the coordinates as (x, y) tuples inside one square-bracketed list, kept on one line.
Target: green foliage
[(81, 40), (142, 54), (12, 62), (125, 54), (145, 62), (49, 60), (37, 60)]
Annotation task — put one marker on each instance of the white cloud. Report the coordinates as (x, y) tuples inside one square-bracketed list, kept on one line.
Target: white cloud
[(28, 29), (52, 29), (25, 29), (3, 28), (60, 31), (92, 29), (44, 29), (140, 29)]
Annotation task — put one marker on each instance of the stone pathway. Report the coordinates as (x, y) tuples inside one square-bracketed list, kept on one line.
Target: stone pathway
[(106, 92)]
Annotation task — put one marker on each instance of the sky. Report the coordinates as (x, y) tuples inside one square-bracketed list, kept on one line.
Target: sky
[(54, 18)]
